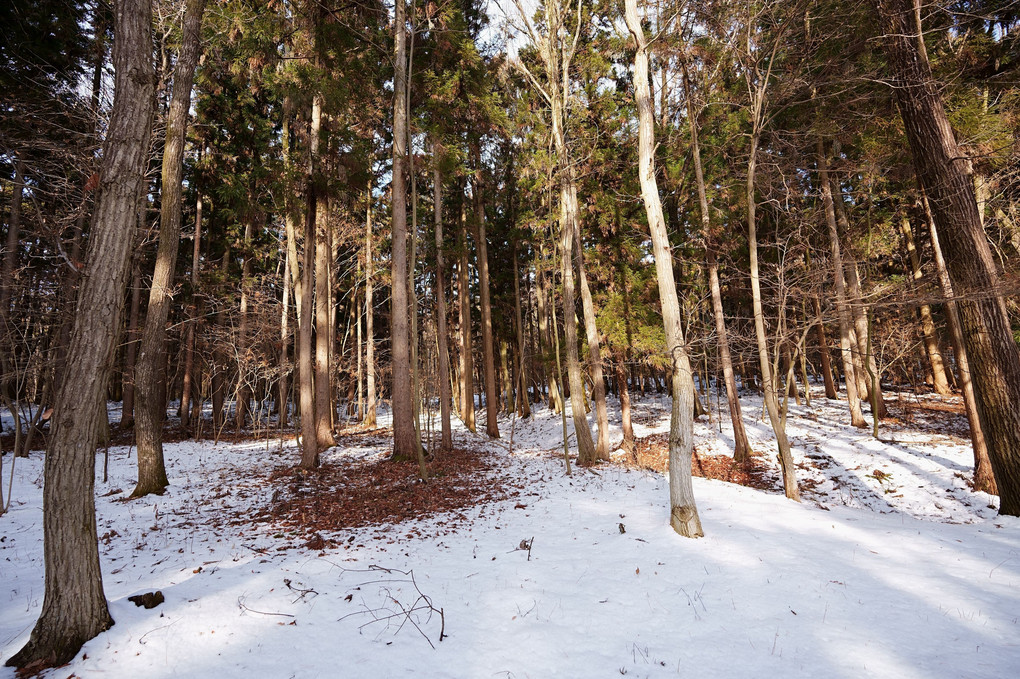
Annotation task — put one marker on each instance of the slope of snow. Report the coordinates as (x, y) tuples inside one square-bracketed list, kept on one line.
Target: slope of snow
[(919, 581)]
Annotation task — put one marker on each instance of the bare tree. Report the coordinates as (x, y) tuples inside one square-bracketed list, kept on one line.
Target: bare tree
[(683, 510)]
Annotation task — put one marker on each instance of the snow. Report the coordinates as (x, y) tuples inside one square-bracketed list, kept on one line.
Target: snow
[(901, 574)]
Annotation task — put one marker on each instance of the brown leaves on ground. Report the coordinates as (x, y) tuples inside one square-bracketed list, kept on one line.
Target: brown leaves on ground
[(344, 494), (652, 452)]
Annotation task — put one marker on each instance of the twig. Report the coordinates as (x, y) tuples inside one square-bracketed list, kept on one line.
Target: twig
[(240, 603)]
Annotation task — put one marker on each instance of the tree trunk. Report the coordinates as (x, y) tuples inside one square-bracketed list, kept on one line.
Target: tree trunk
[(442, 337), (482, 253), (150, 372), (941, 171), (404, 442), (842, 309), (283, 388), (931, 344), (523, 404), (598, 391), (683, 510), (306, 368), (127, 410), (823, 344), (323, 251), (190, 383), (864, 342), (623, 371), (74, 608), (242, 404), (767, 378), (467, 368), (984, 479), (370, 406)]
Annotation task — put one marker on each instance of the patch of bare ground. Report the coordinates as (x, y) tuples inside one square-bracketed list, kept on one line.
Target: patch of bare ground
[(652, 452), (930, 413), (344, 494)]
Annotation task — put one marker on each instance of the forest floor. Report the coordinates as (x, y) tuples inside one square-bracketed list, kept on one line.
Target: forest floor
[(503, 566)]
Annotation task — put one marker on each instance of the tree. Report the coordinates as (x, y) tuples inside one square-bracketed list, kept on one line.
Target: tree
[(74, 607), (683, 510), (405, 443), (942, 173), (149, 376)]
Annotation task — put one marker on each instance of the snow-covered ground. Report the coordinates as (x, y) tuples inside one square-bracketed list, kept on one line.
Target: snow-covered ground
[(901, 573)]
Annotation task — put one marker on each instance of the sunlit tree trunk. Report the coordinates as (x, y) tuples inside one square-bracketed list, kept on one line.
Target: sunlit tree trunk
[(370, 392), (683, 510), (150, 375), (941, 171), (931, 344), (842, 308)]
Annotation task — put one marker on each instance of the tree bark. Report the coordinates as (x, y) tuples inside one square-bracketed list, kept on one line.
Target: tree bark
[(150, 371), (442, 337), (598, 391), (683, 510), (467, 368), (523, 404), (842, 308), (942, 173), (931, 344), (823, 351), (127, 410), (190, 383), (323, 251), (74, 608), (370, 406), (984, 478), (482, 252), (405, 444)]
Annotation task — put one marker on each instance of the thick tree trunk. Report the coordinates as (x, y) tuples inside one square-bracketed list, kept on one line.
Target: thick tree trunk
[(74, 608), (305, 355), (442, 336), (842, 308), (586, 453), (405, 444), (323, 385), (482, 252), (683, 510), (931, 344), (941, 171), (150, 372)]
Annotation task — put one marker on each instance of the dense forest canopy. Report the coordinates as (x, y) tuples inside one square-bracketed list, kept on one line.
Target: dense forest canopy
[(465, 208)]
